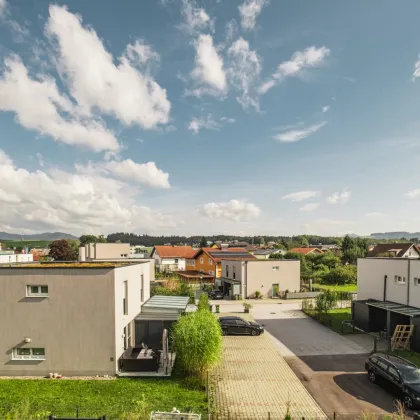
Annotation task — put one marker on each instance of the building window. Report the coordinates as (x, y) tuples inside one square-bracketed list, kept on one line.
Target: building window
[(176, 260), (193, 263), (36, 291), (142, 289), (399, 280), (125, 298), (416, 281), (233, 272), (276, 268), (211, 273), (227, 271), (25, 353), (210, 261), (201, 260)]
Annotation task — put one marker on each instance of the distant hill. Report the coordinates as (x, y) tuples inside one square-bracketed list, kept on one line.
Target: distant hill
[(394, 235), (47, 236)]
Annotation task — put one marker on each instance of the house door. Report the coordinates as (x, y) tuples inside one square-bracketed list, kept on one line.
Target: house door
[(275, 290)]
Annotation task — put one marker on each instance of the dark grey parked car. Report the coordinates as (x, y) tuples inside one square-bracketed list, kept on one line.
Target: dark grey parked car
[(398, 375), (234, 325)]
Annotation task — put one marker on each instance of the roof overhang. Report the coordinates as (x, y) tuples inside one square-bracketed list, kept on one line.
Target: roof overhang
[(396, 307), (231, 281)]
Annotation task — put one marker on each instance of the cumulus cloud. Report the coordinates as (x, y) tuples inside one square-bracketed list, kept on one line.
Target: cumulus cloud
[(209, 123), (416, 72), (96, 82), (309, 207), (249, 11), (195, 18), (294, 135), (413, 193), (339, 198), (244, 71), (300, 60), (235, 210), (209, 73), (3, 5), (78, 201), (325, 108), (231, 30), (48, 111), (300, 195)]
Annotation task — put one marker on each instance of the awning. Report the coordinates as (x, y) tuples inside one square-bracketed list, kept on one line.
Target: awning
[(231, 281), (396, 307), (194, 275), (163, 308)]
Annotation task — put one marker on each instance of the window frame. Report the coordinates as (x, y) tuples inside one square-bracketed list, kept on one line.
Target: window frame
[(30, 356), (210, 261), (401, 280), (125, 297), (201, 260), (416, 281), (275, 268), (30, 294)]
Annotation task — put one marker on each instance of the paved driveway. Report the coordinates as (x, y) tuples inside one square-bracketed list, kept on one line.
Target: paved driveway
[(254, 382), (330, 366)]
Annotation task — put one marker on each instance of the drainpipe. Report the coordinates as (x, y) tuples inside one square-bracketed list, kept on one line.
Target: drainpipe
[(385, 279), (408, 283)]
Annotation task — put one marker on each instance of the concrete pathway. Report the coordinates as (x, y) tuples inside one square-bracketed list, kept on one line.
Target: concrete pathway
[(254, 382)]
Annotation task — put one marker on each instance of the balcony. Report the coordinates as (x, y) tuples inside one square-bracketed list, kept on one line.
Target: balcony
[(165, 268)]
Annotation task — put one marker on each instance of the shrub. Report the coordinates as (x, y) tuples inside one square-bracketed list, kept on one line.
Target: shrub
[(203, 302), (258, 295), (197, 339), (345, 274), (174, 288), (326, 301), (247, 306)]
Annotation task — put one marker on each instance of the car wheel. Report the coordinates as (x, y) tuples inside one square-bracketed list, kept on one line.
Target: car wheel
[(408, 402), (372, 376), (225, 332), (254, 332)]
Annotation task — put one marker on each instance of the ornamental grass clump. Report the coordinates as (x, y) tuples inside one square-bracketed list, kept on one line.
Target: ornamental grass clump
[(197, 339), (203, 302)]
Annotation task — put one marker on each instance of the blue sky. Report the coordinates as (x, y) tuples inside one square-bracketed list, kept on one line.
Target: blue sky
[(209, 117)]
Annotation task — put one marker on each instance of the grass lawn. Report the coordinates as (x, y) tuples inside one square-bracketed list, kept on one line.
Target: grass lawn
[(338, 288), (339, 315), (115, 398)]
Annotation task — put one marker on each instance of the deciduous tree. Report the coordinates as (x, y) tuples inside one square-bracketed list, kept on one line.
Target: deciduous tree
[(60, 250)]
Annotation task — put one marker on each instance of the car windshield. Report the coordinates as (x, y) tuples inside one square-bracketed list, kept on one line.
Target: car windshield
[(411, 375)]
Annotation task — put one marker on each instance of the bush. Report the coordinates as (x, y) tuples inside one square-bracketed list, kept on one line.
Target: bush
[(203, 302), (326, 301), (345, 274), (258, 295), (174, 288), (197, 339)]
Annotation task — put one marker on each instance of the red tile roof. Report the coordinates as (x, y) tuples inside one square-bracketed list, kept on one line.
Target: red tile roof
[(165, 251), (305, 251), (218, 255)]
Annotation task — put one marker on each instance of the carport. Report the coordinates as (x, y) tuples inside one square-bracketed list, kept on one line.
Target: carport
[(386, 316), (230, 287)]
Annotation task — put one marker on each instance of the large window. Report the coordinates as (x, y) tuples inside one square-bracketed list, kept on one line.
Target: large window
[(125, 297), (399, 279), (26, 353), (142, 289), (36, 291)]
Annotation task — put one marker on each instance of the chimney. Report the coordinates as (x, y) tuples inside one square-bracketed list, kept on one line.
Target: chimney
[(224, 247)]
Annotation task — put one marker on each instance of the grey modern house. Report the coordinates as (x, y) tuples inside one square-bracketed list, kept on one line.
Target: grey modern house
[(69, 318)]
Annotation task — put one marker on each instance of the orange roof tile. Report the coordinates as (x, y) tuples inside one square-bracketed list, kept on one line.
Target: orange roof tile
[(305, 251), (166, 251)]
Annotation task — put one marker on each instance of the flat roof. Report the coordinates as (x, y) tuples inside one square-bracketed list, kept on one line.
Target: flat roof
[(66, 265), (166, 302), (396, 307)]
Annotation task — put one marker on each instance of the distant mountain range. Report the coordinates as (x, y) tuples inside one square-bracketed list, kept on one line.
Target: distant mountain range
[(394, 235), (47, 236)]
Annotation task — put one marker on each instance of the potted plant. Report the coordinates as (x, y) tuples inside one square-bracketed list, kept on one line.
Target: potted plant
[(247, 307), (258, 295)]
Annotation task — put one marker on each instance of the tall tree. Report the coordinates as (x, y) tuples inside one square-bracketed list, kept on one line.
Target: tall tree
[(91, 239), (60, 250), (74, 245), (203, 242)]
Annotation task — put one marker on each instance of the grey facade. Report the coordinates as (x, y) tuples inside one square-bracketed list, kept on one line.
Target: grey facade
[(81, 317), (266, 276)]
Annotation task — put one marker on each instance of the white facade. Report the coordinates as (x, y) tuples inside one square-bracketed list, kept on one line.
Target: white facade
[(103, 251), (15, 258), (392, 279), (180, 263)]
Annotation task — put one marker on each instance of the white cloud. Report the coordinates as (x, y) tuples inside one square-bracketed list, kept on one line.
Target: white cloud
[(298, 134), (209, 123), (235, 210), (79, 201), (249, 11), (208, 70), (413, 193), (309, 207), (325, 108), (231, 30), (416, 72), (244, 71), (46, 110), (40, 159), (300, 60), (300, 195), (339, 198), (143, 173), (375, 214), (94, 80), (141, 53), (195, 18), (3, 5)]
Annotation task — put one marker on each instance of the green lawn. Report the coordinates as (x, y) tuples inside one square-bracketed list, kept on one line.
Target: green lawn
[(339, 315), (114, 398), (338, 288)]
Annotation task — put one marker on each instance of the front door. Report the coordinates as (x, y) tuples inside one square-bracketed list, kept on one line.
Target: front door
[(275, 290)]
